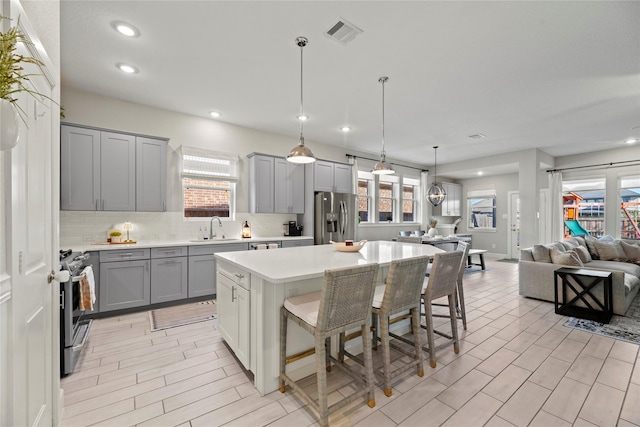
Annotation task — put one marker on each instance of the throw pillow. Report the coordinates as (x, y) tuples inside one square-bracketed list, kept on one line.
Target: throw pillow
[(565, 258), (578, 240), (541, 253), (590, 241), (610, 251), (583, 254), (567, 245), (631, 251)]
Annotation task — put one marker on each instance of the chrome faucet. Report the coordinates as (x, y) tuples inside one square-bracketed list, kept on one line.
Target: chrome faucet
[(211, 233)]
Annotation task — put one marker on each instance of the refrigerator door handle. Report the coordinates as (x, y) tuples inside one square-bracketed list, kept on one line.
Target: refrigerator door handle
[(343, 218)]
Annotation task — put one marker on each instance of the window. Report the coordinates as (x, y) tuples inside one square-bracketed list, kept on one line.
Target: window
[(386, 199), (410, 197), (481, 205), (381, 196), (209, 183), (583, 206), (365, 184), (630, 207)]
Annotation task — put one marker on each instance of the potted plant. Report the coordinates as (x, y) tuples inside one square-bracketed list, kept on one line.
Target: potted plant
[(13, 80), (115, 236)]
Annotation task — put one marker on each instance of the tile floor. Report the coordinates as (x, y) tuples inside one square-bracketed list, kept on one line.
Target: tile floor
[(517, 366)]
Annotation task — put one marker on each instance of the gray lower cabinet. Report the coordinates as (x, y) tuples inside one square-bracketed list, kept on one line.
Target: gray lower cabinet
[(202, 267), (124, 284), (169, 274)]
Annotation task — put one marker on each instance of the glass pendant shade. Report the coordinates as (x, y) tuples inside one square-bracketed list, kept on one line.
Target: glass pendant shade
[(301, 154), (435, 193), (382, 167)]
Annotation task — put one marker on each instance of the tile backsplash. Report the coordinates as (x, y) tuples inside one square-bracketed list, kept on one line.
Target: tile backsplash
[(82, 228)]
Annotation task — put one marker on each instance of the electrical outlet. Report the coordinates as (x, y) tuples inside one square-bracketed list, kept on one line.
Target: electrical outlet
[(493, 245)]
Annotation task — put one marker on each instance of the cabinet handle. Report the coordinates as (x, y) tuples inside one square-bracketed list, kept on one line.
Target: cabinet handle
[(127, 254), (239, 276), (97, 204), (233, 293)]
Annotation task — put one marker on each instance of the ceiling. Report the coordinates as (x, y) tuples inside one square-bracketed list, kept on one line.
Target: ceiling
[(563, 77)]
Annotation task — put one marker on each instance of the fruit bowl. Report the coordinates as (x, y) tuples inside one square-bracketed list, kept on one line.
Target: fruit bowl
[(343, 247)]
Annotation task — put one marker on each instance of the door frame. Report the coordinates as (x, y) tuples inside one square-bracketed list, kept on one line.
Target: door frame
[(511, 251), (9, 248)]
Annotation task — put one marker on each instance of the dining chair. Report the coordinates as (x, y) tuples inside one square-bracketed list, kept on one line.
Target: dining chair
[(343, 303), (442, 281), (400, 293), (460, 309)]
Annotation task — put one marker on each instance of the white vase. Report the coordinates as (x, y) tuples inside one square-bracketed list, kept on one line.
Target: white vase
[(432, 232), (9, 126)]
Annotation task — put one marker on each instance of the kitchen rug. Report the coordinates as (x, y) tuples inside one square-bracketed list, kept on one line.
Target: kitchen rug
[(179, 315), (625, 328)]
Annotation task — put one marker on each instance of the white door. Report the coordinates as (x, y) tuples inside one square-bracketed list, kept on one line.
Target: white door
[(514, 225), (29, 320)]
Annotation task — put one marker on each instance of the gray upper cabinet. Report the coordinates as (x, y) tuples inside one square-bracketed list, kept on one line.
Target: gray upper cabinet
[(117, 172), (111, 171), (452, 203), (289, 187), (275, 185), (79, 169), (331, 176), (151, 180), (261, 187)]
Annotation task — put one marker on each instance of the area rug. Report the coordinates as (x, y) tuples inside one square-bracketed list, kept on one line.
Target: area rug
[(509, 260), (179, 315), (624, 328)]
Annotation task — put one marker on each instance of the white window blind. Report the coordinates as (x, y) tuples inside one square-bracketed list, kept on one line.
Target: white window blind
[(200, 163)]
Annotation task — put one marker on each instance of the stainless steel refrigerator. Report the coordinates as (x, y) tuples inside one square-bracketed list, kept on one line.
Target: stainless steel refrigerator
[(335, 217)]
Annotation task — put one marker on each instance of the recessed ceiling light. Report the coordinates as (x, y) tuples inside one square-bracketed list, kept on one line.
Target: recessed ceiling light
[(303, 118), (632, 140), (126, 29), (480, 173), (215, 114), (345, 128), (477, 136), (130, 69)]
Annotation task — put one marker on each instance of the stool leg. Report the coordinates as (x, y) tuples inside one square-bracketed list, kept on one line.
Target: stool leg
[(454, 324), (415, 331), (386, 353), (463, 312), (321, 370), (283, 349), (428, 318), (368, 364)]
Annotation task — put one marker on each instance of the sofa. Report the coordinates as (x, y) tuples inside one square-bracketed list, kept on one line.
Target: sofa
[(620, 257)]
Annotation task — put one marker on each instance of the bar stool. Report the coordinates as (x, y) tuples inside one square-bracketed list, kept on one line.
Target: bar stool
[(409, 239), (343, 303), (400, 293), (460, 310), (442, 282)]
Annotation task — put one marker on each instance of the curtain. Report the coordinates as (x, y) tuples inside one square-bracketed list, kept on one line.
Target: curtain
[(556, 216)]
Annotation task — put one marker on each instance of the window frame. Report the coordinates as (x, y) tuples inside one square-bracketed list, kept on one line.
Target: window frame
[(485, 194), (215, 167), (397, 181), (368, 177)]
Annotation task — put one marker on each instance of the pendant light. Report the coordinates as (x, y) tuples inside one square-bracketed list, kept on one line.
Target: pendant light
[(301, 154), (436, 193), (382, 167)]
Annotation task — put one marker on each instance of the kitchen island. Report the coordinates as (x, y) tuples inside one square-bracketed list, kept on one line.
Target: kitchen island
[(253, 285)]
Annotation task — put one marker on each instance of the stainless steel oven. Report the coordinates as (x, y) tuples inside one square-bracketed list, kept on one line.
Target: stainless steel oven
[(74, 330)]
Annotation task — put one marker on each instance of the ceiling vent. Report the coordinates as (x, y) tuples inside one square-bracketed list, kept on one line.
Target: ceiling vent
[(343, 31)]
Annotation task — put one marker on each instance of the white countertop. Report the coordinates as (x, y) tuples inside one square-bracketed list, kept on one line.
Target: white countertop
[(166, 243), (289, 264)]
